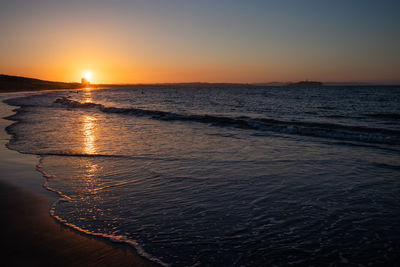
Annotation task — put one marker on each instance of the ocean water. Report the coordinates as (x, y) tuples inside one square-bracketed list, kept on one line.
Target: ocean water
[(224, 176)]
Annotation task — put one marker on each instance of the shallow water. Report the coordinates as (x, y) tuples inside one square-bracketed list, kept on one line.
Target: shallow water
[(225, 176)]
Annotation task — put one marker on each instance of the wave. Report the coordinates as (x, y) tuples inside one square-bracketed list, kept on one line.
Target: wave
[(388, 166), (302, 128), (325, 130), (112, 238), (48, 177), (83, 155), (392, 116)]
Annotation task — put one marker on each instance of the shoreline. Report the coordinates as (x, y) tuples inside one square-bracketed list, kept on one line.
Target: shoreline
[(32, 236)]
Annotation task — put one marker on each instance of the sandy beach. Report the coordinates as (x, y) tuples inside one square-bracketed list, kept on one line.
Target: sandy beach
[(30, 236)]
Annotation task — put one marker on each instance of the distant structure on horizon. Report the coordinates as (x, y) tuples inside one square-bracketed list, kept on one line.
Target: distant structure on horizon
[(306, 83), (84, 81)]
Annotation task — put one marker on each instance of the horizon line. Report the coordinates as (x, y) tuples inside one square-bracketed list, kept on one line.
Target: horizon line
[(266, 83)]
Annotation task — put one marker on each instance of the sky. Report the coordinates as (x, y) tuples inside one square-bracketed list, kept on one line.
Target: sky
[(149, 41)]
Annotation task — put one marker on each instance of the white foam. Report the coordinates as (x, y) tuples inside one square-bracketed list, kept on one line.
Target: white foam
[(113, 238)]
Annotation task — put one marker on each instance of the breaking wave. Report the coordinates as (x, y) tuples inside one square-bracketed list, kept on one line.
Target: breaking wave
[(302, 128), (326, 130)]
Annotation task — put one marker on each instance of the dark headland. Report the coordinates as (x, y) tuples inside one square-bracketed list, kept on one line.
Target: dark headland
[(16, 83)]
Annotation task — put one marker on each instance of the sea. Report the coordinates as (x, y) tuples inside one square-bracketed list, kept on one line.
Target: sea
[(223, 175)]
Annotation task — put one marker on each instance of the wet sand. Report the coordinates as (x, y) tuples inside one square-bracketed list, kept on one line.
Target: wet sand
[(30, 237)]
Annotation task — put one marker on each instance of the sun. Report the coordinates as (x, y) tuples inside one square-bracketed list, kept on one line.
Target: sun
[(88, 76)]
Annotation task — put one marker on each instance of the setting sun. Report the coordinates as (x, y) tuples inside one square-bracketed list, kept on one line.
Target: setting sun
[(88, 76)]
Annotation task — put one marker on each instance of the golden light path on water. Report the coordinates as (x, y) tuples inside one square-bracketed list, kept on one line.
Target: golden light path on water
[(89, 140), (89, 147)]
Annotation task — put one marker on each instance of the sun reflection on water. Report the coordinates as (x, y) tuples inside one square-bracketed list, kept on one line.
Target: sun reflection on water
[(91, 177), (89, 137), (89, 128), (87, 95)]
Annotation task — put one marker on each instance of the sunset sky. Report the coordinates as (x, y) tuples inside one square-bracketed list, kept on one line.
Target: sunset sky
[(147, 41)]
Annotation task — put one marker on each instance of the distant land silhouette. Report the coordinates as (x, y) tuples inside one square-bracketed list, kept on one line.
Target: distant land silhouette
[(16, 83), (306, 83), (9, 83), (298, 84)]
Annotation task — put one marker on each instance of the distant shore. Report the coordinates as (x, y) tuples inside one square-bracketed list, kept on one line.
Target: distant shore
[(10, 83), (30, 235), (22, 84)]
